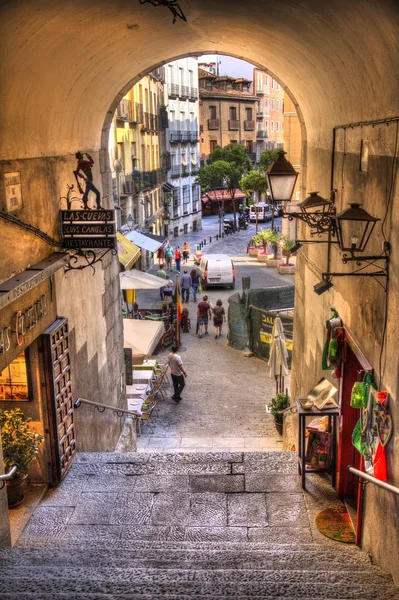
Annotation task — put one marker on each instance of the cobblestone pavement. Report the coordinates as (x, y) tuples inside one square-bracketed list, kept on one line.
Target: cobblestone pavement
[(224, 401)]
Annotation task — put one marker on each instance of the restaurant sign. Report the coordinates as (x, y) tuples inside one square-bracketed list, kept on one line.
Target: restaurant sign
[(88, 229)]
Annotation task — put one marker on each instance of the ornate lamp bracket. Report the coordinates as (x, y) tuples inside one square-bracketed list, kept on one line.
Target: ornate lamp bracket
[(81, 259)]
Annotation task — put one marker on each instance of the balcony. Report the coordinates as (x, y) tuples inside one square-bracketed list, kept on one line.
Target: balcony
[(194, 169), (184, 92), (130, 111), (261, 134), (252, 156), (249, 125), (213, 124), (185, 171), (233, 124), (164, 119), (175, 171), (175, 137), (194, 137), (173, 90), (193, 96), (263, 91), (185, 137)]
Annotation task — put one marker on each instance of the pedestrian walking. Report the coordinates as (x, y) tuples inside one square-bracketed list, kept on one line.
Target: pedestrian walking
[(169, 256), (178, 373), (219, 316), (177, 258), (185, 284), (162, 274), (161, 256), (203, 315), (168, 291), (186, 252), (195, 281)]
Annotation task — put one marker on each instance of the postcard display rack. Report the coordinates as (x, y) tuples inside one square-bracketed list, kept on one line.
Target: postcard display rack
[(317, 440)]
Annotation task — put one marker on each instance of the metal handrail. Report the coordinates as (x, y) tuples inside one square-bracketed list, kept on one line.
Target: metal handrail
[(102, 407), (7, 476), (371, 479)]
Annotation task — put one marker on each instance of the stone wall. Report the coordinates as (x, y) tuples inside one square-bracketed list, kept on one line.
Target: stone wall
[(360, 303)]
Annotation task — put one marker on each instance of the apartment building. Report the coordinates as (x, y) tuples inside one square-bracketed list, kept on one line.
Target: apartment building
[(269, 112), (227, 111), (135, 144), (181, 156)]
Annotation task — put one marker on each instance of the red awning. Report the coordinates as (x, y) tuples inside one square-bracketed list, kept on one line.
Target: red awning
[(220, 195)]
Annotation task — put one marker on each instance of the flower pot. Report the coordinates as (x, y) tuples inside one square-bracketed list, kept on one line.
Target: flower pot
[(272, 262), (286, 269), (322, 464), (253, 252), (279, 427), (262, 257), (16, 489)]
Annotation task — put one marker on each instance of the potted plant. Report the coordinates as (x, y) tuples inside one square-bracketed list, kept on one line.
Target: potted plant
[(263, 254), (273, 239), (20, 446), (280, 402), (253, 246), (287, 267), (322, 459)]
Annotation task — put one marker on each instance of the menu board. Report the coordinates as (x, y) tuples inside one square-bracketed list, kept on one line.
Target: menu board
[(14, 380)]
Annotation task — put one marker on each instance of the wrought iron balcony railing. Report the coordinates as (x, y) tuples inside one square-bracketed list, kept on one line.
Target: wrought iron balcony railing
[(233, 124), (213, 123), (249, 125)]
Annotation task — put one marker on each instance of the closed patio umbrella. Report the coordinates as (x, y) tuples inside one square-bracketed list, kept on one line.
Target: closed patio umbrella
[(139, 280), (278, 359)]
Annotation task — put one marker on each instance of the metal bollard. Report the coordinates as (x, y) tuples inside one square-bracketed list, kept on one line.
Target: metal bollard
[(204, 242), (217, 237), (222, 234), (210, 240), (246, 283)]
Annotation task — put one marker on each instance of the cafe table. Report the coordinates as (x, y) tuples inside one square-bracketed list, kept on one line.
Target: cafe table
[(142, 377)]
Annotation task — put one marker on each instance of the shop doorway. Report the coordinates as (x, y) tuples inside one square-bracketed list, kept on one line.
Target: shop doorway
[(354, 367), (58, 384)]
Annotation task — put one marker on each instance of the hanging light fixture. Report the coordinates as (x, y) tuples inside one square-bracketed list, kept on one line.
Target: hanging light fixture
[(317, 212), (281, 177), (354, 227)]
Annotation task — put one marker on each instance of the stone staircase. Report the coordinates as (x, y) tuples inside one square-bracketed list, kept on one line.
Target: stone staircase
[(185, 526)]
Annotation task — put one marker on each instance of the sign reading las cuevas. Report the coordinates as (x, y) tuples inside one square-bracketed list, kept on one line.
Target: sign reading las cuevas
[(88, 229)]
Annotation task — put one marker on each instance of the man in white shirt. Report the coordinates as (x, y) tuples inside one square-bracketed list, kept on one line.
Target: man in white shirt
[(178, 373)]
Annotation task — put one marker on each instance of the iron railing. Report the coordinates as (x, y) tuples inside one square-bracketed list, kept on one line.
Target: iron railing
[(173, 90), (193, 94), (184, 92), (102, 407), (249, 125), (261, 134), (175, 171), (382, 484), (213, 123), (233, 124), (7, 476), (130, 111), (175, 137)]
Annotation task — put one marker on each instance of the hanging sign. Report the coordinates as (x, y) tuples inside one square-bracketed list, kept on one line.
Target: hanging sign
[(88, 229)]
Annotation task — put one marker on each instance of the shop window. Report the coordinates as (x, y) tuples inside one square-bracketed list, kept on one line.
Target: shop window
[(14, 380), (176, 232), (185, 229)]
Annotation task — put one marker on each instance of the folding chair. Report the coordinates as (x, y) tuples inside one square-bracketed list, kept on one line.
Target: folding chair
[(146, 417)]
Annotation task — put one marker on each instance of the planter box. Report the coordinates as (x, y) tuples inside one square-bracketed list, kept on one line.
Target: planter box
[(253, 252), (273, 262), (286, 270), (264, 257)]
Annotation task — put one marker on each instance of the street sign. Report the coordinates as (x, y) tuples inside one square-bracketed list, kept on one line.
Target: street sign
[(89, 243), (88, 229)]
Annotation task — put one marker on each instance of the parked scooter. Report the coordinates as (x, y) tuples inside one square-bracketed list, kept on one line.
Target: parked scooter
[(229, 226), (242, 222)]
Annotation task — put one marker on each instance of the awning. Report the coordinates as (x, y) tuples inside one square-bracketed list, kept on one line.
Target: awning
[(168, 187), (139, 280), (183, 161), (128, 253), (142, 336), (193, 159), (145, 242)]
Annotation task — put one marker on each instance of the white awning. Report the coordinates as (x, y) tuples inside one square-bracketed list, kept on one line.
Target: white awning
[(142, 336), (143, 241), (184, 161), (139, 280), (193, 159)]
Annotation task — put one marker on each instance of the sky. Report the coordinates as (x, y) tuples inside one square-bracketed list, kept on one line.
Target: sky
[(229, 65)]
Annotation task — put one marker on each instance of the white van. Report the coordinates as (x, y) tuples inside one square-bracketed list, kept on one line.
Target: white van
[(217, 269), (263, 210)]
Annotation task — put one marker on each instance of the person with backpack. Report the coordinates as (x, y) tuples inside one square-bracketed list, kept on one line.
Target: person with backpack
[(169, 257), (177, 258), (195, 281)]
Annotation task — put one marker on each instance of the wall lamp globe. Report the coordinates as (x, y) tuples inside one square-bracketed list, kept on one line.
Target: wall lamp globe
[(129, 222), (354, 226), (281, 177)]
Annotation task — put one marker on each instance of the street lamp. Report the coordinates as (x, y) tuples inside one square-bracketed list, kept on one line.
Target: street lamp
[(281, 177), (354, 227)]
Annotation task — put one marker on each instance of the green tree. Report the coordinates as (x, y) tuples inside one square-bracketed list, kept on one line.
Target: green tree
[(268, 157), (220, 174), (254, 182), (232, 153)]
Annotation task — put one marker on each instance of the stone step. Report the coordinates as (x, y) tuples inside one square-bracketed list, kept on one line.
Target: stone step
[(60, 596), (214, 584), (188, 557), (50, 574)]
